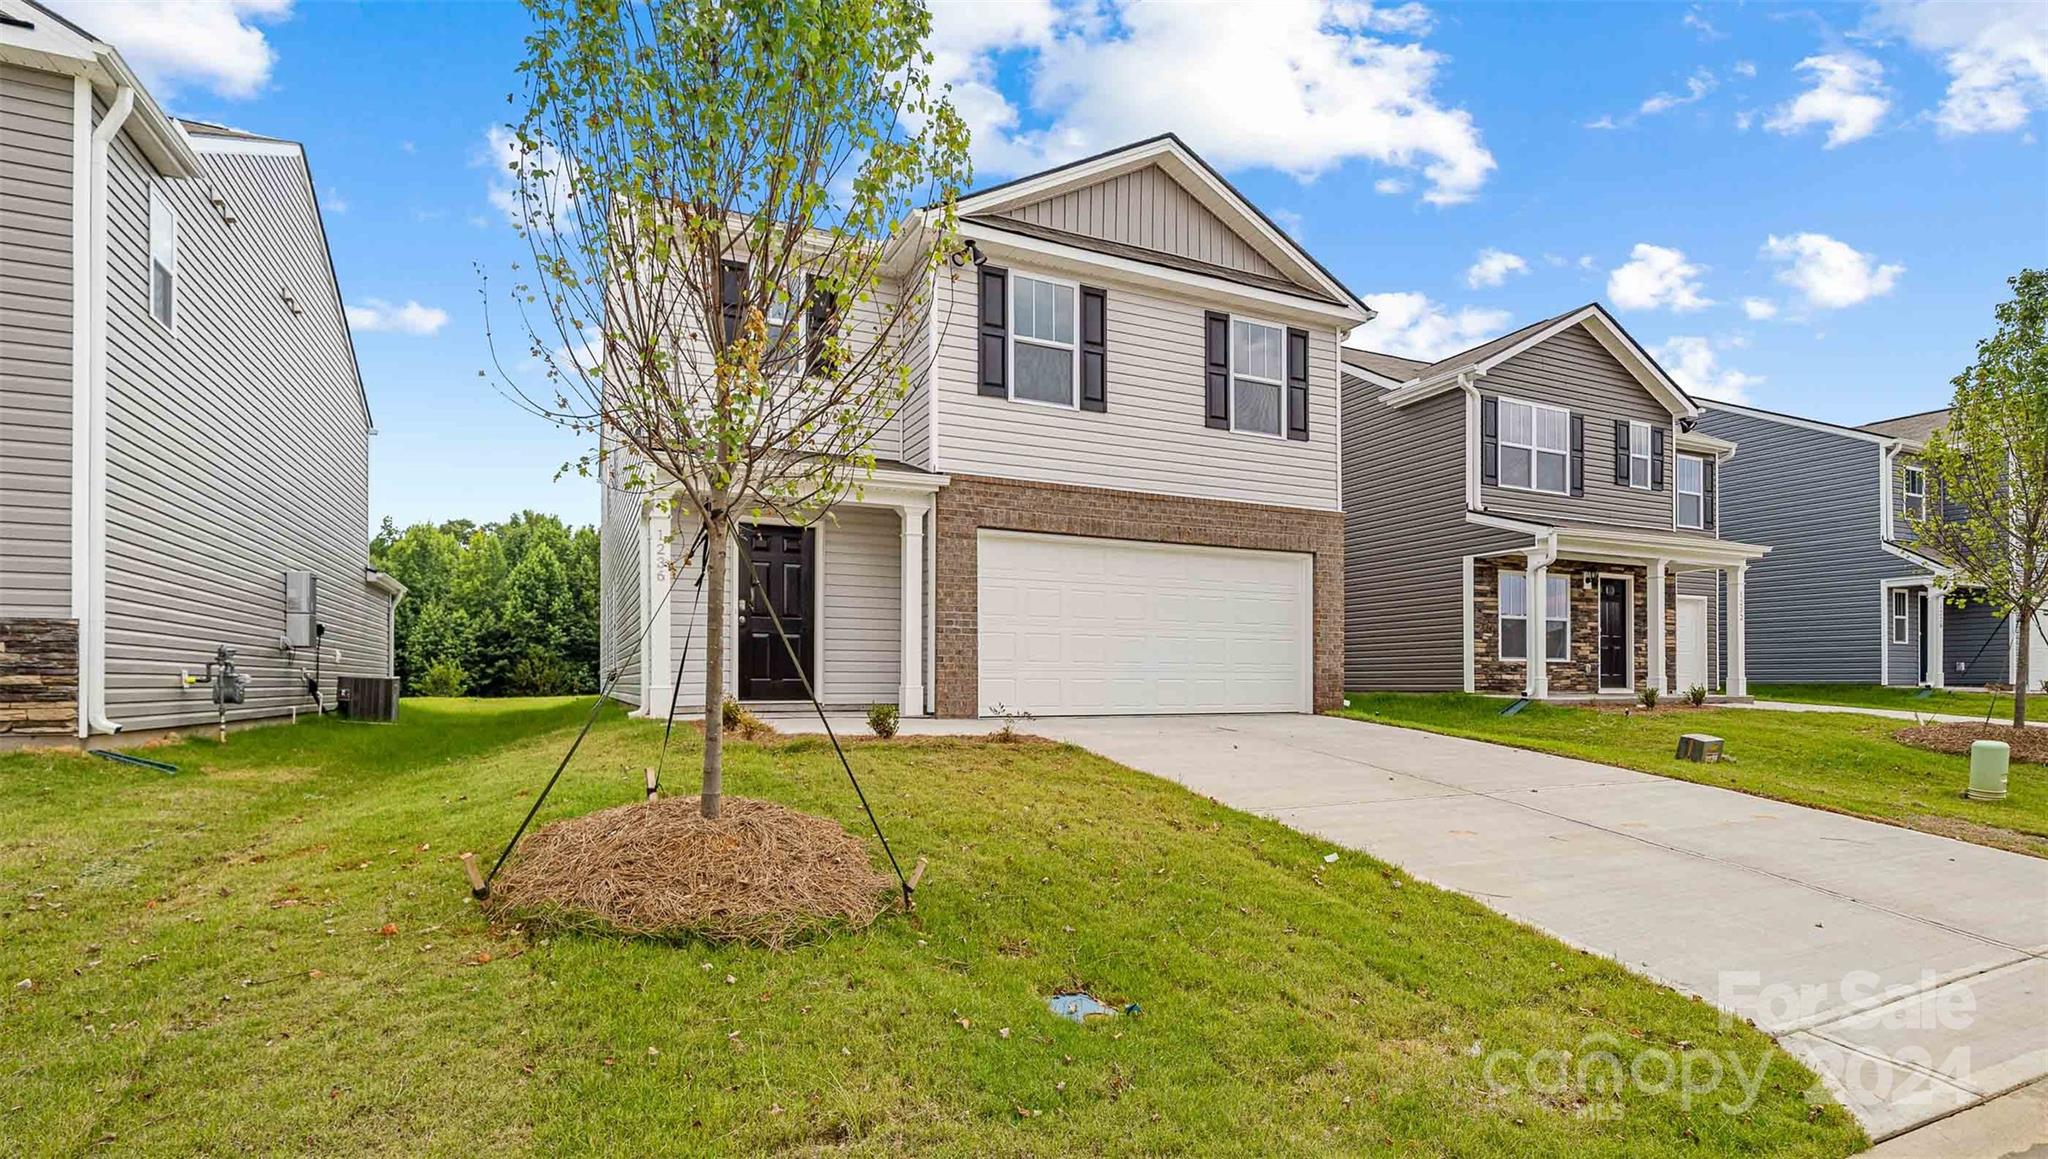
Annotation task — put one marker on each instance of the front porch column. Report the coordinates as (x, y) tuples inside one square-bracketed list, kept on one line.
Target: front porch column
[(910, 691), (1657, 643), (1738, 630), (1538, 650), (657, 612), (1936, 628)]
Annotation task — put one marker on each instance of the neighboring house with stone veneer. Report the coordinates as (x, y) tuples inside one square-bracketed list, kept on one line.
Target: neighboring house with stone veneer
[(181, 419), (1541, 494), (1847, 596), (1112, 488)]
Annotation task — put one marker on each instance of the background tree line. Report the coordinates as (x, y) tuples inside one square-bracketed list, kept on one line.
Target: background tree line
[(494, 609)]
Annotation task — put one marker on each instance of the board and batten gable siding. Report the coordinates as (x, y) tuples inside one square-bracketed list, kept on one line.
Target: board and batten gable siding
[(1405, 539), (1150, 209), (36, 111), (1815, 612), (1153, 436), (1572, 369), (237, 447)]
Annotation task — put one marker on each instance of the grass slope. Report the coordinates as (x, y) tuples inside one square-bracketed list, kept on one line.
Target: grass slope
[(1839, 761), (208, 972)]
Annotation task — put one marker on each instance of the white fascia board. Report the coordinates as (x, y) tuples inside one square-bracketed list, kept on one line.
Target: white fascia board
[(1654, 545), (1603, 331), (161, 139), (1696, 443), (244, 146), (384, 582), (1289, 307), (1503, 523), (1940, 570), (1369, 377)]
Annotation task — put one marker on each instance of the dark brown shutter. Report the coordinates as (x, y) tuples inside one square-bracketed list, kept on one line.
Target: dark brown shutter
[(1707, 474), (732, 292), (1621, 452), (1297, 385), (1094, 349), (1656, 458), (1489, 440), (995, 329), (1578, 455), (823, 320), (1216, 363)]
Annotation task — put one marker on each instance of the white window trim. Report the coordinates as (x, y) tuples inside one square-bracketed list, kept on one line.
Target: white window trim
[(1540, 639), (1230, 354), (1566, 580), (157, 198), (1011, 338), (1502, 443), (1501, 616), (1678, 487), (1648, 457), (1911, 495), (1902, 616)]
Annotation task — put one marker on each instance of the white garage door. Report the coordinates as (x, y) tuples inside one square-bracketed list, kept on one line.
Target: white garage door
[(1074, 626)]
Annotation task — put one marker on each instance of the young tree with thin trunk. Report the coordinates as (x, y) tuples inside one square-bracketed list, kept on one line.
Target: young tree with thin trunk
[(726, 203), (1989, 514)]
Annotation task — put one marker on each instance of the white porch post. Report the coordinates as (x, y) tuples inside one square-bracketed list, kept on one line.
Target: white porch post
[(1936, 628), (1537, 633), (1738, 630), (657, 612), (1657, 644), (910, 693)]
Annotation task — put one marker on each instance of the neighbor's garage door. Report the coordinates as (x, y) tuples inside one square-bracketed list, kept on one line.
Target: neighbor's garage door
[(1074, 626)]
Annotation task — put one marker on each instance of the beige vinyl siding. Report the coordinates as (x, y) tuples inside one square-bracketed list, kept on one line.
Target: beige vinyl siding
[(914, 419), (1573, 370), (1145, 207), (1153, 437), (35, 344), (237, 447), (862, 606)]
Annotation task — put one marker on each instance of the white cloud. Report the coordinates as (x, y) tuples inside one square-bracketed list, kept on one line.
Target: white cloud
[(1697, 86), (376, 314), (1759, 309), (335, 202), (1654, 277), (1828, 273), (1745, 69), (1995, 53), (1744, 119), (1390, 186), (214, 44), (1693, 362), (1848, 96), (1696, 20), (1411, 325), (1493, 268), (500, 154), (1603, 121), (1288, 220), (1300, 86)]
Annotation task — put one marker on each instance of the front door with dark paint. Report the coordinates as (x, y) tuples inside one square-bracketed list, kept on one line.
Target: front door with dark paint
[(775, 569), (1613, 633)]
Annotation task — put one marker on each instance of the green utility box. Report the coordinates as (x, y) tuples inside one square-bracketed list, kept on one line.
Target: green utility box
[(1989, 760)]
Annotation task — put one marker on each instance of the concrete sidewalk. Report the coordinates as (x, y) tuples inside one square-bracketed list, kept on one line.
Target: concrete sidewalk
[(1910, 970)]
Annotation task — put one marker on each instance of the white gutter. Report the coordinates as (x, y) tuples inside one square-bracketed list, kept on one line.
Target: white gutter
[(93, 642), (1475, 492)]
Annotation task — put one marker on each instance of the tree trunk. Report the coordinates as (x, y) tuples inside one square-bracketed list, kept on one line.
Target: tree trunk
[(716, 542), (2021, 676)]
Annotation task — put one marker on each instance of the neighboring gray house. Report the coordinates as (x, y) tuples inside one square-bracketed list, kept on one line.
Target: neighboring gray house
[(1846, 596), (181, 418), (1543, 492), (1141, 517)]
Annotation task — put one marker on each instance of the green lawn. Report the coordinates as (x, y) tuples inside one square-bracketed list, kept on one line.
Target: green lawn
[(208, 973), (1839, 761), (1947, 701)]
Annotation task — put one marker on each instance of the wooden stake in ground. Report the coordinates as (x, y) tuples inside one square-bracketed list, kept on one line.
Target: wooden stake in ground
[(476, 877), (652, 786)]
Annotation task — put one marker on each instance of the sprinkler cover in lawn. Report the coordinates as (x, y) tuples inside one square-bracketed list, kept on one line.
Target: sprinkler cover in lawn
[(1080, 1007)]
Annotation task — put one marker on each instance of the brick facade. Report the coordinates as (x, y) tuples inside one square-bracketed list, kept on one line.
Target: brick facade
[(38, 679), (1580, 675), (972, 503)]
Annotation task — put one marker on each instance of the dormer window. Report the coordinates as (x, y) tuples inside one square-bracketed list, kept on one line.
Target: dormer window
[(1916, 492)]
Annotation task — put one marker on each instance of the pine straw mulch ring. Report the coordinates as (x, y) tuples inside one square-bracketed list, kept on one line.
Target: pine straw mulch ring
[(761, 873), (2029, 745)]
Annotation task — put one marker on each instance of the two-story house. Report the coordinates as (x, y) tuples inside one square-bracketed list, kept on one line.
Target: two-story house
[(183, 430), (1113, 487), (1536, 516), (1848, 596)]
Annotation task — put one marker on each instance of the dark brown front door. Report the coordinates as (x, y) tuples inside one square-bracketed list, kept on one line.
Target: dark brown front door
[(775, 570), (1613, 633)]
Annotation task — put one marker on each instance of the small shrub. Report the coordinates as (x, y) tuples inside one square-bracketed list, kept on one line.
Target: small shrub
[(1008, 733), (539, 673), (882, 720), (443, 677), (1696, 695), (1647, 697), (740, 722)]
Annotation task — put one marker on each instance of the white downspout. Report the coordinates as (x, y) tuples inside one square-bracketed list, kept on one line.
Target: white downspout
[(95, 642)]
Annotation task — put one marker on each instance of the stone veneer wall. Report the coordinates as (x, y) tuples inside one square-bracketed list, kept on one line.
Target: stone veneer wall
[(1580, 675), (971, 503), (38, 678)]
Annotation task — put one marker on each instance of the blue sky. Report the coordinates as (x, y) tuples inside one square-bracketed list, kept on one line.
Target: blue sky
[(1813, 209)]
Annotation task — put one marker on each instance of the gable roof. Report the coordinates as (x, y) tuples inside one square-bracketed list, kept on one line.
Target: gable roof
[(1913, 428), (35, 37), (1444, 373), (1300, 272)]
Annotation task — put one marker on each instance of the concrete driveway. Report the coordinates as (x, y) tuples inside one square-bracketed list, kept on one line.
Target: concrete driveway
[(1910, 970)]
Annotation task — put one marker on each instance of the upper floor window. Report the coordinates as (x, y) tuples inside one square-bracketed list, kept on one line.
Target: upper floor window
[(1639, 455), (163, 259), (784, 325), (1535, 447), (1043, 353), (1258, 377), (1916, 492), (1692, 491)]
